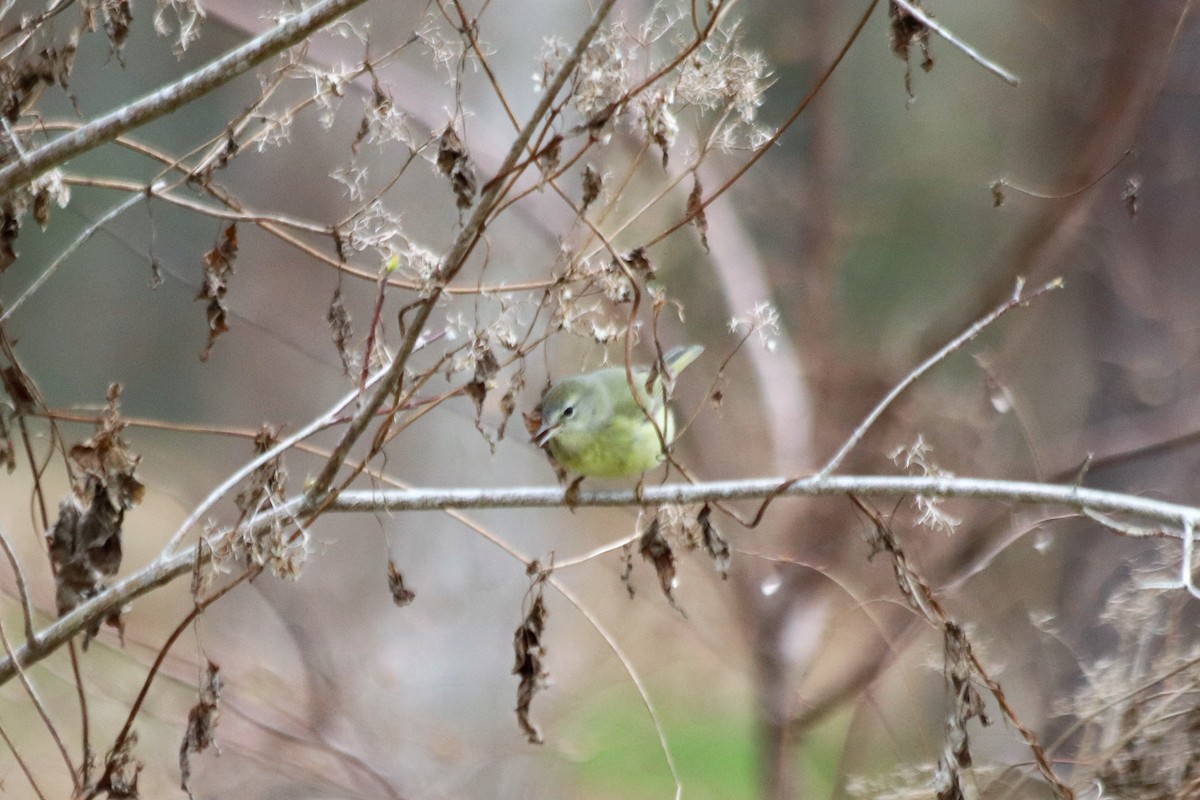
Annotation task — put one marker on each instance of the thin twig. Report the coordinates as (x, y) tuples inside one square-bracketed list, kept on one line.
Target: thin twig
[(197, 609), (970, 52), (237, 62), (1016, 300), (41, 709), (597, 626), (21, 762), (769, 144), (22, 586), (87, 233)]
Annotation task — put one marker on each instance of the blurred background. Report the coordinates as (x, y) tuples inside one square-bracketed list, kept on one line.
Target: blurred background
[(880, 225)]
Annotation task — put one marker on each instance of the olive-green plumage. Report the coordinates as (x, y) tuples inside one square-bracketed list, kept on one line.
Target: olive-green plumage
[(593, 426)]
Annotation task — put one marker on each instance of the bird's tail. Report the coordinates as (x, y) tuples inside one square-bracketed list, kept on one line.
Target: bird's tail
[(677, 358)]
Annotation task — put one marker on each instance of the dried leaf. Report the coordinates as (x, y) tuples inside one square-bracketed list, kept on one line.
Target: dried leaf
[(268, 481), (202, 724), (713, 542), (8, 454), (85, 541), (508, 403), (381, 107), (41, 206), (549, 157), (998, 196), (118, 16), (593, 182), (339, 322), (218, 268), (454, 162), (653, 547), (121, 769), (105, 458), (533, 419), (20, 389), (401, 595), (10, 227), (529, 650), (27, 70), (695, 210), (638, 260), (85, 548), (627, 568), (906, 31), (1132, 196), (486, 367)]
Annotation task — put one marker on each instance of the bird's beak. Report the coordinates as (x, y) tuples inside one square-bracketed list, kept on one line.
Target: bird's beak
[(545, 434)]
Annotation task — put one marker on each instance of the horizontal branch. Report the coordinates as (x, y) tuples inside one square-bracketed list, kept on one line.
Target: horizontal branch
[(1072, 497), (166, 569)]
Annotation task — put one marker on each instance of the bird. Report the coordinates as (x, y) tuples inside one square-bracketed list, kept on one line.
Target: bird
[(593, 426)]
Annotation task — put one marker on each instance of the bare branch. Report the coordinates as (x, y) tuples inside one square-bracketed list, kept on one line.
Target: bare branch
[(1016, 300), (159, 103), (36, 699), (970, 52), (22, 586), (163, 571)]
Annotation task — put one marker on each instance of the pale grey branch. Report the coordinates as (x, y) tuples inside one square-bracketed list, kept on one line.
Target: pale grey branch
[(159, 103), (1173, 516), (970, 52)]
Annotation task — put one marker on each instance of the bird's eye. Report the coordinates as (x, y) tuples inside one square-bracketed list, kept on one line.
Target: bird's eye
[(569, 411)]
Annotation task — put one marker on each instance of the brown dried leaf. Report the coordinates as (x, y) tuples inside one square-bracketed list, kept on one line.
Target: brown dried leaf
[(106, 462), (364, 128), (508, 403), (1131, 196), (533, 419), (156, 276), (486, 367), (10, 227), (653, 547), (593, 182), (121, 769), (638, 260), (529, 650), (401, 595), (218, 268), (25, 72), (8, 454), (627, 568), (41, 206), (998, 196), (269, 479), (118, 16), (549, 157), (695, 210), (202, 724), (339, 322), (713, 542), (85, 541), (454, 162), (85, 548), (20, 389), (906, 31)]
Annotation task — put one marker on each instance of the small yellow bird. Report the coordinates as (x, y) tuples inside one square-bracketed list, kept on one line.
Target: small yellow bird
[(592, 425)]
